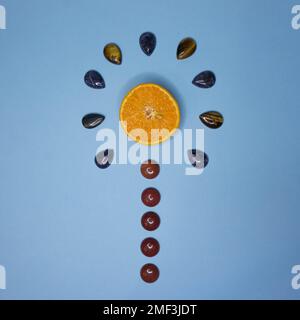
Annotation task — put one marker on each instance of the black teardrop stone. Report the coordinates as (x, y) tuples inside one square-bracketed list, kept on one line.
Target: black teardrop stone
[(198, 159), (205, 79), (92, 120), (148, 43), (104, 158), (94, 80)]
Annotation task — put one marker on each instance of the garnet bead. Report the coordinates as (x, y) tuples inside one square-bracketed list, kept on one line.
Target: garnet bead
[(150, 197), (149, 273), (150, 221), (150, 169), (150, 247)]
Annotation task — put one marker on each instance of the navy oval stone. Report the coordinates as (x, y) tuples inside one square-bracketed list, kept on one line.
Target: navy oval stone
[(94, 80), (104, 158), (198, 159), (205, 79), (148, 43)]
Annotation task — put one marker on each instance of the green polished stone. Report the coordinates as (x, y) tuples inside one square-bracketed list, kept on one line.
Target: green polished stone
[(113, 53), (186, 48)]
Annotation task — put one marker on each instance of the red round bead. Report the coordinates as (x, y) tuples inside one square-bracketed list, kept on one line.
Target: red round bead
[(150, 221), (149, 273), (150, 169), (151, 197), (150, 247)]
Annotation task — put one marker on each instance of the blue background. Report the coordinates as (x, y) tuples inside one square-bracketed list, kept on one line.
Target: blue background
[(70, 230)]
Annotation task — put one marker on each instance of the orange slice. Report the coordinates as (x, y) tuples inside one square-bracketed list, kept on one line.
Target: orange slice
[(149, 114)]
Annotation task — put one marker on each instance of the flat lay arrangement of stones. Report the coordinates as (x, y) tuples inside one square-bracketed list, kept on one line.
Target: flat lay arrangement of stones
[(150, 106)]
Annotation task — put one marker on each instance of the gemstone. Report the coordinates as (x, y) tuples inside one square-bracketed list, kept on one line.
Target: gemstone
[(186, 48), (150, 197), (205, 79), (150, 247), (198, 159), (149, 273), (94, 80), (212, 119), (150, 169), (150, 221), (113, 53), (92, 120), (148, 43), (104, 158)]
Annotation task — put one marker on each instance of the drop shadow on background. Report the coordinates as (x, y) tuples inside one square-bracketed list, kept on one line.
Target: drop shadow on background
[(149, 77)]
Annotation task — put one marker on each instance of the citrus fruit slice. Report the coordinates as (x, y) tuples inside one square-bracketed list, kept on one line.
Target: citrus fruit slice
[(149, 114)]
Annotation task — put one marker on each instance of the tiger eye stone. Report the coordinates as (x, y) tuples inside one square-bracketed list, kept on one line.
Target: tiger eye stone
[(104, 158), (186, 48), (113, 53), (148, 43), (94, 80), (150, 197), (149, 273), (198, 159), (150, 169), (205, 80), (92, 120), (212, 119), (150, 247), (150, 221)]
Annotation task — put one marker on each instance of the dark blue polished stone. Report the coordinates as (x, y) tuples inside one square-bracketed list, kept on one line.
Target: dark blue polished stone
[(198, 159), (205, 79), (94, 80), (148, 43), (104, 158)]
